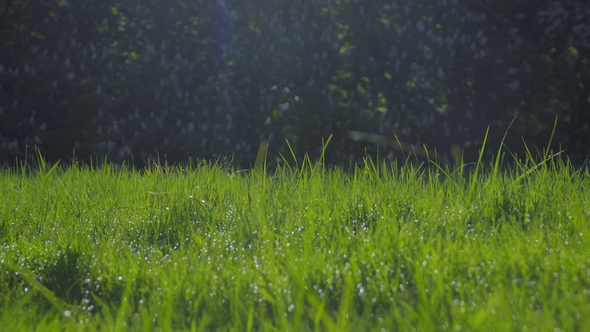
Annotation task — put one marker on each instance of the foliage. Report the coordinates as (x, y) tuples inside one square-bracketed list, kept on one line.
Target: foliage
[(147, 79)]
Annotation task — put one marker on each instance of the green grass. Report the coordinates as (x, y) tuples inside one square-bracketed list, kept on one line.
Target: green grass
[(398, 248)]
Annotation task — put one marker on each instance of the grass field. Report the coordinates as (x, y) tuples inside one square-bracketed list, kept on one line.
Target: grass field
[(380, 248)]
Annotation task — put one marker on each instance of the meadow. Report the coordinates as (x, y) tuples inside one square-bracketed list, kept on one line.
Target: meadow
[(378, 247)]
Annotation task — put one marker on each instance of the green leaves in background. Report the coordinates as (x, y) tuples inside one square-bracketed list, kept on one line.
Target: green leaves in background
[(145, 79)]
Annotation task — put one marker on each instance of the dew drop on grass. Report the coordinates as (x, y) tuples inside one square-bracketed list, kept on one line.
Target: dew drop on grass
[(67, 313)]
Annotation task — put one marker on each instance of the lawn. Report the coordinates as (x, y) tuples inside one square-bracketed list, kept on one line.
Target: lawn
[(380, 247)]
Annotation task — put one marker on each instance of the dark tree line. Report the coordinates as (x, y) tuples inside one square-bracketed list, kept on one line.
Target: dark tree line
[(204, 79)]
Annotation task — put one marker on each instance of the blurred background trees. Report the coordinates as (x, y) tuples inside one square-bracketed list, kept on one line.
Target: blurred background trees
[(144, 79)]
